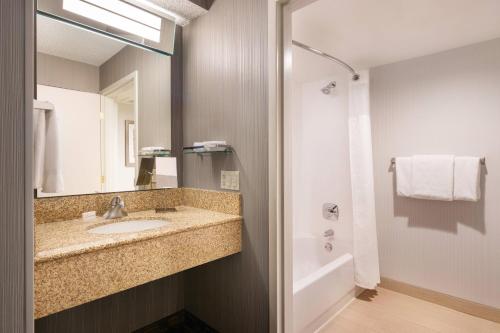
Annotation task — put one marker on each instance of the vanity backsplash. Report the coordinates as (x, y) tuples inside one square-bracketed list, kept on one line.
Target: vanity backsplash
[(56, 209)]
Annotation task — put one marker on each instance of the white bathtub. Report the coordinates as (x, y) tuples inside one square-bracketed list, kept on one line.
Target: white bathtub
[(323, 282)]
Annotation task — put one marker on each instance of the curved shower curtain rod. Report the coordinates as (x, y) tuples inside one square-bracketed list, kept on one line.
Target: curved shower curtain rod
[(355, 75)]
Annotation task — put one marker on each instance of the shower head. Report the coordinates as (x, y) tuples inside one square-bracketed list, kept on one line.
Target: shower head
[(328, 88)]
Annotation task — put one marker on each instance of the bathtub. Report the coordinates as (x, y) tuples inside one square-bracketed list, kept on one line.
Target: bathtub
[(323, 282)]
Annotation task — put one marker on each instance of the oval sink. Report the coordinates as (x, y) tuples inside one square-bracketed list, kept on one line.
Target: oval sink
[(128, 226)]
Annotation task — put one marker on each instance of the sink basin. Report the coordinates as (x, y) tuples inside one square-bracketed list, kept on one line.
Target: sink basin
[(129, 226)]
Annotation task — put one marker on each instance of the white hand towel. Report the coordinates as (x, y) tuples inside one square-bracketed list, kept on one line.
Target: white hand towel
[(432, 177), (209, 144), (39, 149), (152, 148), (467, 179), (403, 176), (166, 172), (48, 175)]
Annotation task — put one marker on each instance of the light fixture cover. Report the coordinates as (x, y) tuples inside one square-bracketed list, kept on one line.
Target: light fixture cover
[(117, 19)]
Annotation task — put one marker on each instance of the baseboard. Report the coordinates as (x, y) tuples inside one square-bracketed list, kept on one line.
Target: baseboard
[(452, 302)]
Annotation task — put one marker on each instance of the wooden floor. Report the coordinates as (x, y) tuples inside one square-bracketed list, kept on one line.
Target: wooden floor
[(385, 311)]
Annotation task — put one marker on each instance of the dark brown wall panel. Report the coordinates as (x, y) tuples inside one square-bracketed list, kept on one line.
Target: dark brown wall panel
[(12, 166), (203, 3), (122, 312), (225, 98), (176, 102)]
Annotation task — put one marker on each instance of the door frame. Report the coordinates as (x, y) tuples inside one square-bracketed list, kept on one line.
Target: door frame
[(280, 224), (134, 77)]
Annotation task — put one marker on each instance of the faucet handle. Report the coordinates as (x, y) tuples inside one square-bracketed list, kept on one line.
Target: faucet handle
[(330, 211), (329, 233), (117, 201), (116, 210)]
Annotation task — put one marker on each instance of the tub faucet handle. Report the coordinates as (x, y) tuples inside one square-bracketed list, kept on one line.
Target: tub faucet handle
[(329, 233)]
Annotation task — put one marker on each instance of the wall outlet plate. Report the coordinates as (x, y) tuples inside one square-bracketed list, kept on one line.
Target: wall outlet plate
[(230, 180)]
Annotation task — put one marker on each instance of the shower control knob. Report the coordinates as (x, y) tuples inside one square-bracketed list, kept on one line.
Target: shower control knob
[(328, 247), (331, 211), (329, 233)]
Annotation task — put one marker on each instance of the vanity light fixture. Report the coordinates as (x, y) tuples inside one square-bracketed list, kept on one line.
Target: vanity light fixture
[(119, 15)]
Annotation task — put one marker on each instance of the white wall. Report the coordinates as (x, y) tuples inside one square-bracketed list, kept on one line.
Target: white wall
[(320, 148), (445, 103), (78, 113)]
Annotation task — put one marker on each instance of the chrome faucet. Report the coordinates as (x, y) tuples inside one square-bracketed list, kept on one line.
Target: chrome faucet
[(116, 210)]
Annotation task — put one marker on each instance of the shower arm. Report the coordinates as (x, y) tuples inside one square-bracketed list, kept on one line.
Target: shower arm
[(355, 75)]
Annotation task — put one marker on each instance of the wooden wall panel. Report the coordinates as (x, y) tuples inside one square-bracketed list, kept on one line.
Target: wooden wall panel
[(12, 166), (225, 98)]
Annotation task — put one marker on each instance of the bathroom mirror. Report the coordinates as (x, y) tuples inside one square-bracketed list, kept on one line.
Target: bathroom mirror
[(109, 107)]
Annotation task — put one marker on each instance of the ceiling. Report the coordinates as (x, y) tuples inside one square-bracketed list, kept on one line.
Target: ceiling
[(369, 33), (66, 41), (63, 40), (185, 8)]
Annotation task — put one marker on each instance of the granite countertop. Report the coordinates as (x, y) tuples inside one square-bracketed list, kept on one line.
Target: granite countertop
[(68, 238), (74, 266)]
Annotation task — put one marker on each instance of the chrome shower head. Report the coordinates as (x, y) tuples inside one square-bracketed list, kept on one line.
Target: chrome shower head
[(328, 88)]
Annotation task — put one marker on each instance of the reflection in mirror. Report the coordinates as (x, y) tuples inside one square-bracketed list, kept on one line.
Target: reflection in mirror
[(111, 108), (141, 23)]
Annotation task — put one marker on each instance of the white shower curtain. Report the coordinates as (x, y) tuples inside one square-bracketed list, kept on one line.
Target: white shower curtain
[(366, 264)]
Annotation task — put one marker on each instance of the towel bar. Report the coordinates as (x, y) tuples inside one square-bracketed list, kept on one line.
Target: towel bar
[(482, 160)]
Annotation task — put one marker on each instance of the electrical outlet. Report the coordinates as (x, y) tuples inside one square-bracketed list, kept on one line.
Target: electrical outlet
[(230, 180)]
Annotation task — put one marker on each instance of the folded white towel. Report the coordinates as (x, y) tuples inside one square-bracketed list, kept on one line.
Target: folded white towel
[(467, 179), (209, 144), (48, 177), (432, 177), (147, 149), (403, 176)]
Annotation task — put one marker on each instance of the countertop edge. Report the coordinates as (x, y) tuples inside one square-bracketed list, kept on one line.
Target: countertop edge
[(42, 259)]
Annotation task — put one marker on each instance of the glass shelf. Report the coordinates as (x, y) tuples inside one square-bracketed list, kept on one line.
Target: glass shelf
[(211, 150)]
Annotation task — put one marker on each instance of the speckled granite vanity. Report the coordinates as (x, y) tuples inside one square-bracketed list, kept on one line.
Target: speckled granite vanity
[(74, 266)]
